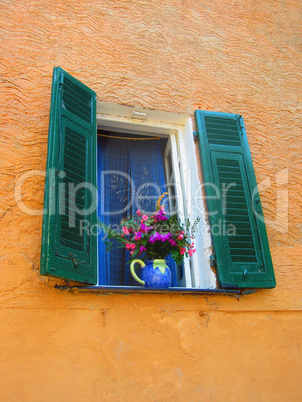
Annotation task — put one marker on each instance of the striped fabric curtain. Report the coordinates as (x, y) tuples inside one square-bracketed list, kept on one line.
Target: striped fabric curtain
[(130, 177)]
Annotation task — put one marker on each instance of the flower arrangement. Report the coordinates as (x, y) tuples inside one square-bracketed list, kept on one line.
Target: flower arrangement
[(154, 236)]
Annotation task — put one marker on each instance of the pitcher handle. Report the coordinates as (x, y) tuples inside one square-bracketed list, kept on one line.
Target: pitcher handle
[(133, 273)]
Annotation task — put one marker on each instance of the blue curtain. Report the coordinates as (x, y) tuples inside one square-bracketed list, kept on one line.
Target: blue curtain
[(130, 177)]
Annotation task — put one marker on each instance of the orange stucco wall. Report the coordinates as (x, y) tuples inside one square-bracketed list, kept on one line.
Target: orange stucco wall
[(240, 56)]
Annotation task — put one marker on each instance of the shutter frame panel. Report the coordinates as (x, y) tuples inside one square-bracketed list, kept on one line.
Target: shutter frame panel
[(243, 260), (66, 251)]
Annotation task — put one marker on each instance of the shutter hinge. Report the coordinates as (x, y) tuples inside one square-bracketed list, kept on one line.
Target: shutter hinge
[(75, 262), (248, 292), (195, 136), (213, 261), (61, 78), (241, 126)]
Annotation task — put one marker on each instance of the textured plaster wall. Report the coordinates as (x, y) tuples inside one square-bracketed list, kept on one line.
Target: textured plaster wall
[(240, 56)]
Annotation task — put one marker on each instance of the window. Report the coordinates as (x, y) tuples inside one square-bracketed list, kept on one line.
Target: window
[(240, 257), (180, 169)]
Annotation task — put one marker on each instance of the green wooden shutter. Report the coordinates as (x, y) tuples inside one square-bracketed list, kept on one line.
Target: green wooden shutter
[(69, 250), (241, 249)]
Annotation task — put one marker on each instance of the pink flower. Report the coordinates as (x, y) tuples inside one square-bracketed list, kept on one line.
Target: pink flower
[(182, 250), (131, 252), (145, 217), (191, 252), (126, 230), (130, 246), (142, 249), (138, 212), (180, 237)]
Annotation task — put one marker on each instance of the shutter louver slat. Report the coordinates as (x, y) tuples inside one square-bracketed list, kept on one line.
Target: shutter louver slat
[(77, 101), (223, 132), (235, 212)]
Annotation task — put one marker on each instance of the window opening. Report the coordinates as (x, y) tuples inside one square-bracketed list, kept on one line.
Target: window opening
[(132, 175)]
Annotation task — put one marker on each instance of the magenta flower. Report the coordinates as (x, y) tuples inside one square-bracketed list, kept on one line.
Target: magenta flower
[(160, 216), (142, 249), (137, 235), (158, 237), (145, 228), (172, 242)]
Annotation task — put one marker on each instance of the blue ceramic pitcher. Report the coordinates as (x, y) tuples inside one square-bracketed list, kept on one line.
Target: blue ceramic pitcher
[(155, 273)]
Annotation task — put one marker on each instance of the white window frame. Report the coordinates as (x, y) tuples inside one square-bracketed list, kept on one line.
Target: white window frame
[(179, 129)]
